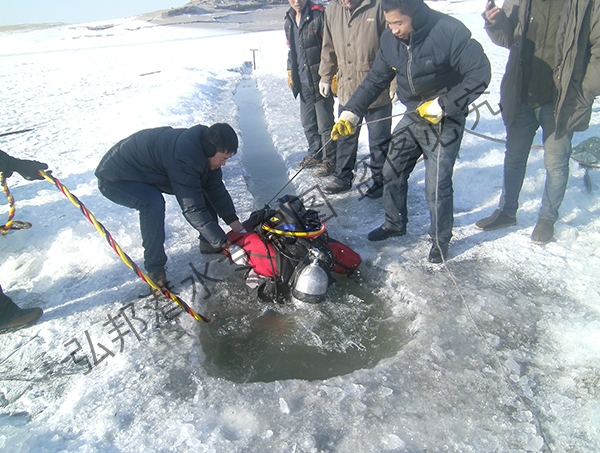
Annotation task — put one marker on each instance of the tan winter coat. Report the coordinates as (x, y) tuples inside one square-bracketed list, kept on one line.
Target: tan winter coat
[(350, 45)]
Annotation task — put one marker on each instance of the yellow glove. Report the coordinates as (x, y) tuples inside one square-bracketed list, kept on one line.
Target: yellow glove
[(334, 85), (290, 80), (431, 110), (345, 125)]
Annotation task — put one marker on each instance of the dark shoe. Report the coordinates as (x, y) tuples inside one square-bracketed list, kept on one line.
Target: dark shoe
[(337, 187), (310, 161), (326, 169), (497, 220), (543, 232), (382, 233), (375, 191), (207, 249), (438, 254), (23, 317)]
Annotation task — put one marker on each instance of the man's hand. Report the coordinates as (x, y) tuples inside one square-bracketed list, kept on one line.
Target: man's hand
[(334, 85), (29, 169), (324, 89), (491, 12), (346, 125), (431, 110), (290, 80)]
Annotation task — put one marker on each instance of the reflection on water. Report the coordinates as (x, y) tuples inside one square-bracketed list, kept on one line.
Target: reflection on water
[(252, 341), (265, 168)]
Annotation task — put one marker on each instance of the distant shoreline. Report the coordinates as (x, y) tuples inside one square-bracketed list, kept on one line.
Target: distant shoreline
[(268, 17)]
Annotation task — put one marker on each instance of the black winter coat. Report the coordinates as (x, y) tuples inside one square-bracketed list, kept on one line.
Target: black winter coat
[(441, 60), (175, 162), (5, 163), (311, 41)]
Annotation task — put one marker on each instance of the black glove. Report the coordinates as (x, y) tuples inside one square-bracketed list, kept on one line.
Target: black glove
[(28, 169)]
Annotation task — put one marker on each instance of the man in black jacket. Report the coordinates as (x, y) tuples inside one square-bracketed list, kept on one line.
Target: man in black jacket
[(304, 32), (184, 162), (440, 70), (11, 316)]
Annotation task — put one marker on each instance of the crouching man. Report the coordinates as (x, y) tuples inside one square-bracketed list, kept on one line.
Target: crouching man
[(185, 162), (440, 70), (11, 316)]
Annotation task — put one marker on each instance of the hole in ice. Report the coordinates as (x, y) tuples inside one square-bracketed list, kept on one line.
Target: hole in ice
[(252, 341)]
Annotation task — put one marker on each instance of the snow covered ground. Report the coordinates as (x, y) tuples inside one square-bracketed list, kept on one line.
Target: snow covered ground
[(499, 350)]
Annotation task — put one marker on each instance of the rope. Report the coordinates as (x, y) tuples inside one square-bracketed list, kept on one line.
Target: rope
[(10, 223), (497, 140), (117, 248), (464, 300)]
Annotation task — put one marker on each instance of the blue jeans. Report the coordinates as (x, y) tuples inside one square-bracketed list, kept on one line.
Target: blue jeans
[(317, 120), (519, 138), (439, 144), (379, 124), (150, 203)]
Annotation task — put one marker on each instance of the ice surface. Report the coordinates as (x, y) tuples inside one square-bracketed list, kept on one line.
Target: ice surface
[(496, 351)]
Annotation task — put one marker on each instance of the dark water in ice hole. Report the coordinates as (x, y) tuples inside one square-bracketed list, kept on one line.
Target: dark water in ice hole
[(252, 341)]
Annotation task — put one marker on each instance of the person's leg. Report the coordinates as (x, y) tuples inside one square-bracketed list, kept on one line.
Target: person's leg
[(556, 160), (150, 203), (519, 137), (13, 317), (400, 161), (347, 148), (308, 118), (7, 307), (441, 144), (379, 123), (325, 121)]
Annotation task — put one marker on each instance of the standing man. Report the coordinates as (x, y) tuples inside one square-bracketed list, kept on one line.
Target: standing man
[(304, 33), (184, 162), (542, 44), (350, 45), (440, 71), (11, 316)]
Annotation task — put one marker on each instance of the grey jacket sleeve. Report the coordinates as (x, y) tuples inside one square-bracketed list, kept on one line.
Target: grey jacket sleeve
[(591, 80), (328, 66)]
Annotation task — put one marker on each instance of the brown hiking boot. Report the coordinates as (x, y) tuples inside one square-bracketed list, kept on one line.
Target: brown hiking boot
[(310, 161), (160, 278), (326, 169)]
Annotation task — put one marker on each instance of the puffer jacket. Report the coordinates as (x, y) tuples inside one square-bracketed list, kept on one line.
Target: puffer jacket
[(440, 60), (175, 162), (350, 45), (577, 71), (311, 41)]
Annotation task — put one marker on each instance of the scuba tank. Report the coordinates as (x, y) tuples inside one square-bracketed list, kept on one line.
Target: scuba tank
[(311, 282)]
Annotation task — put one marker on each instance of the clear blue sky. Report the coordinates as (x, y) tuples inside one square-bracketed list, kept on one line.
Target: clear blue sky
[(16, 12)]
